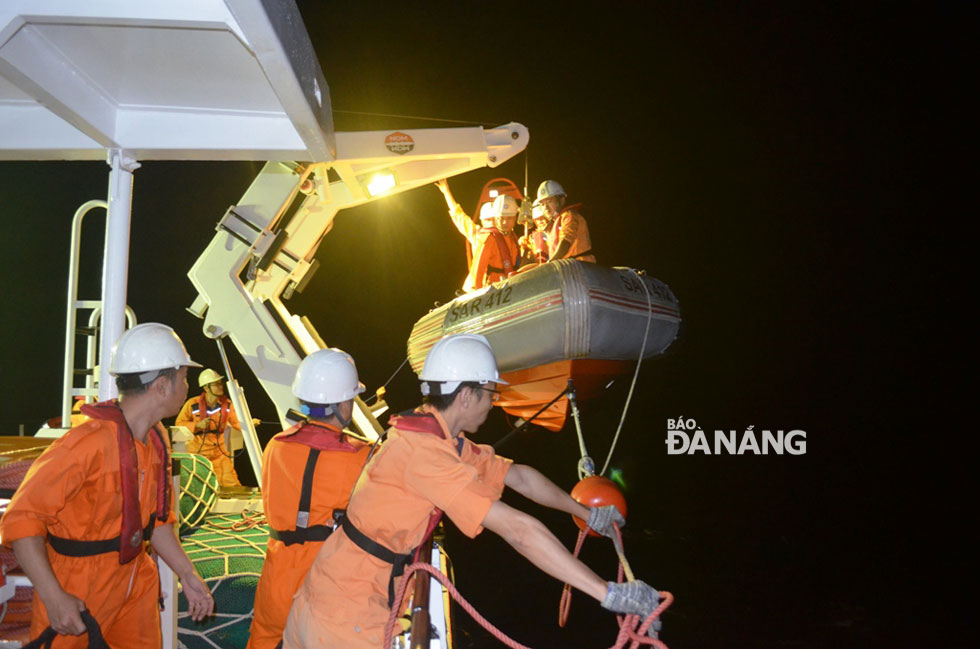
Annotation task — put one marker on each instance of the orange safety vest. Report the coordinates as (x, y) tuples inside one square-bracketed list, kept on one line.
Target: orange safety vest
[(494, 261), (570, 226)]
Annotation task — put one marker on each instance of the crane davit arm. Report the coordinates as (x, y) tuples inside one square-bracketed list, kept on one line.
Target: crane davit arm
[(264, 247)]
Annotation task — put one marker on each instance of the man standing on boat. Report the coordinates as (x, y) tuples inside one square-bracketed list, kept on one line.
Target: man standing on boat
[(534, 244), (569, 236), (308, 473), (79, 521), (426, 467), (496, 252), (211, 417)]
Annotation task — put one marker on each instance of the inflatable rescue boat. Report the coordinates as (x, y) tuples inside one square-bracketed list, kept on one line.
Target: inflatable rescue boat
[(557, 321)]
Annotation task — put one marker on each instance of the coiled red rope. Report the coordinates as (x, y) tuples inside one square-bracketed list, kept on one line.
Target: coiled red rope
[(632, 628), (628, 631)]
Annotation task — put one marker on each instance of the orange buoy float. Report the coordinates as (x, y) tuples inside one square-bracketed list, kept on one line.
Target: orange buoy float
[(596, 491)]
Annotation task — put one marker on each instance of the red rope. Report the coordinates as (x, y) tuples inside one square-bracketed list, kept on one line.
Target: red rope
[(566, 592), (628, 631), (389, 628)]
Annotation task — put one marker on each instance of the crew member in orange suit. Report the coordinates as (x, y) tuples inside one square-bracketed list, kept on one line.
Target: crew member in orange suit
[(534, 244), (569, 235), (308, 473), (426, 467), (211, 417), (496, 252), (79, 521)]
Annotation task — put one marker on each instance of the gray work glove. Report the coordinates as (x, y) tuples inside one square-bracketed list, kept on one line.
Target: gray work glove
[(634, 598), (602, 518)]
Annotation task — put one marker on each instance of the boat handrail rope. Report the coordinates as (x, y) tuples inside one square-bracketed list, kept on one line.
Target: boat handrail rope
[(636, 373), (631, 628)]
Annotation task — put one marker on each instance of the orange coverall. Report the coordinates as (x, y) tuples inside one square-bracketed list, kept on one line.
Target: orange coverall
[(495, 255), (570, 226), (211, 444), (343, 604), (534, 247), (74, 490), (283, 467)]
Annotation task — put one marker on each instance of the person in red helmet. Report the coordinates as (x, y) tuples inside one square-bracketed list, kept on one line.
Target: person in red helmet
[(569, 235), (80, 520), (496, 252), (427, 467), (211, 417), (308, 473)]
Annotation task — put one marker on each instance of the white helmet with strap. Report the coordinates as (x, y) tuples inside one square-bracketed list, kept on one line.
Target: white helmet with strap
[(458, 358), (505, 205), (146, 349), (547, 189), (207, 377), (327, 376), (486, 215)]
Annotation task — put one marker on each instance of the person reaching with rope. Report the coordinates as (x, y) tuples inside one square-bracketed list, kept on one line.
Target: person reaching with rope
[(496, 252), (79, 522), (308, 473), (427, 467), (211, 417)]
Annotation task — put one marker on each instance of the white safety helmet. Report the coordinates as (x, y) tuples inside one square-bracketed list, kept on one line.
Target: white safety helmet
[(486, 214), (538, 212), (327, 376), (547, 189), (207, 377), (458, 358), (505, 205), (146, 348)]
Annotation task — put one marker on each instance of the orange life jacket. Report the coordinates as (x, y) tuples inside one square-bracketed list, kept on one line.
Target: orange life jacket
[(132, 534)]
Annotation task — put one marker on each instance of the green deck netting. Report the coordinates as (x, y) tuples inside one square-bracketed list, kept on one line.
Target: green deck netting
[(198, 489), (228, 552)]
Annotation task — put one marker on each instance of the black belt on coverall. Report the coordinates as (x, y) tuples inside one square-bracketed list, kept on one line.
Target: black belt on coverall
[(95, 639), (75, 548), (398, 561)]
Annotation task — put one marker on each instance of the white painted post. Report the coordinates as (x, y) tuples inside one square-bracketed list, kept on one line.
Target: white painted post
[(115, 262)]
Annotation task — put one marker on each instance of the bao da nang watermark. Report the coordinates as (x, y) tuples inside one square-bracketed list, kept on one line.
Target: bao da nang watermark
[(685, 437)]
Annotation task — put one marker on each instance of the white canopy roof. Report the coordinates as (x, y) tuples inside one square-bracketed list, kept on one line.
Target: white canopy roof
[(161, 80)]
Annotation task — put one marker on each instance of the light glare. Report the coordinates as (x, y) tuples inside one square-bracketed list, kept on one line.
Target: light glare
[(381, 183)]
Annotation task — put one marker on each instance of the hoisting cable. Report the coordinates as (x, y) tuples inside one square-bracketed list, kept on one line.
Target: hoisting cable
[(514, 431), (390, 379), (636, 373), (586, 466), (428, 119)]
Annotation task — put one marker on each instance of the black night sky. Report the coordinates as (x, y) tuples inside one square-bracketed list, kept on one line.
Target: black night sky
[(774, 165)]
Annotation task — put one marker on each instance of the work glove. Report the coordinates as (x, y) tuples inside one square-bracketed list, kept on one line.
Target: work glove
[(634, 598), (601, 520)]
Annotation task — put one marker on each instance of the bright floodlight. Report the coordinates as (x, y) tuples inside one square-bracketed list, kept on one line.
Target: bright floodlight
[(381, 183), (493, 194)]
